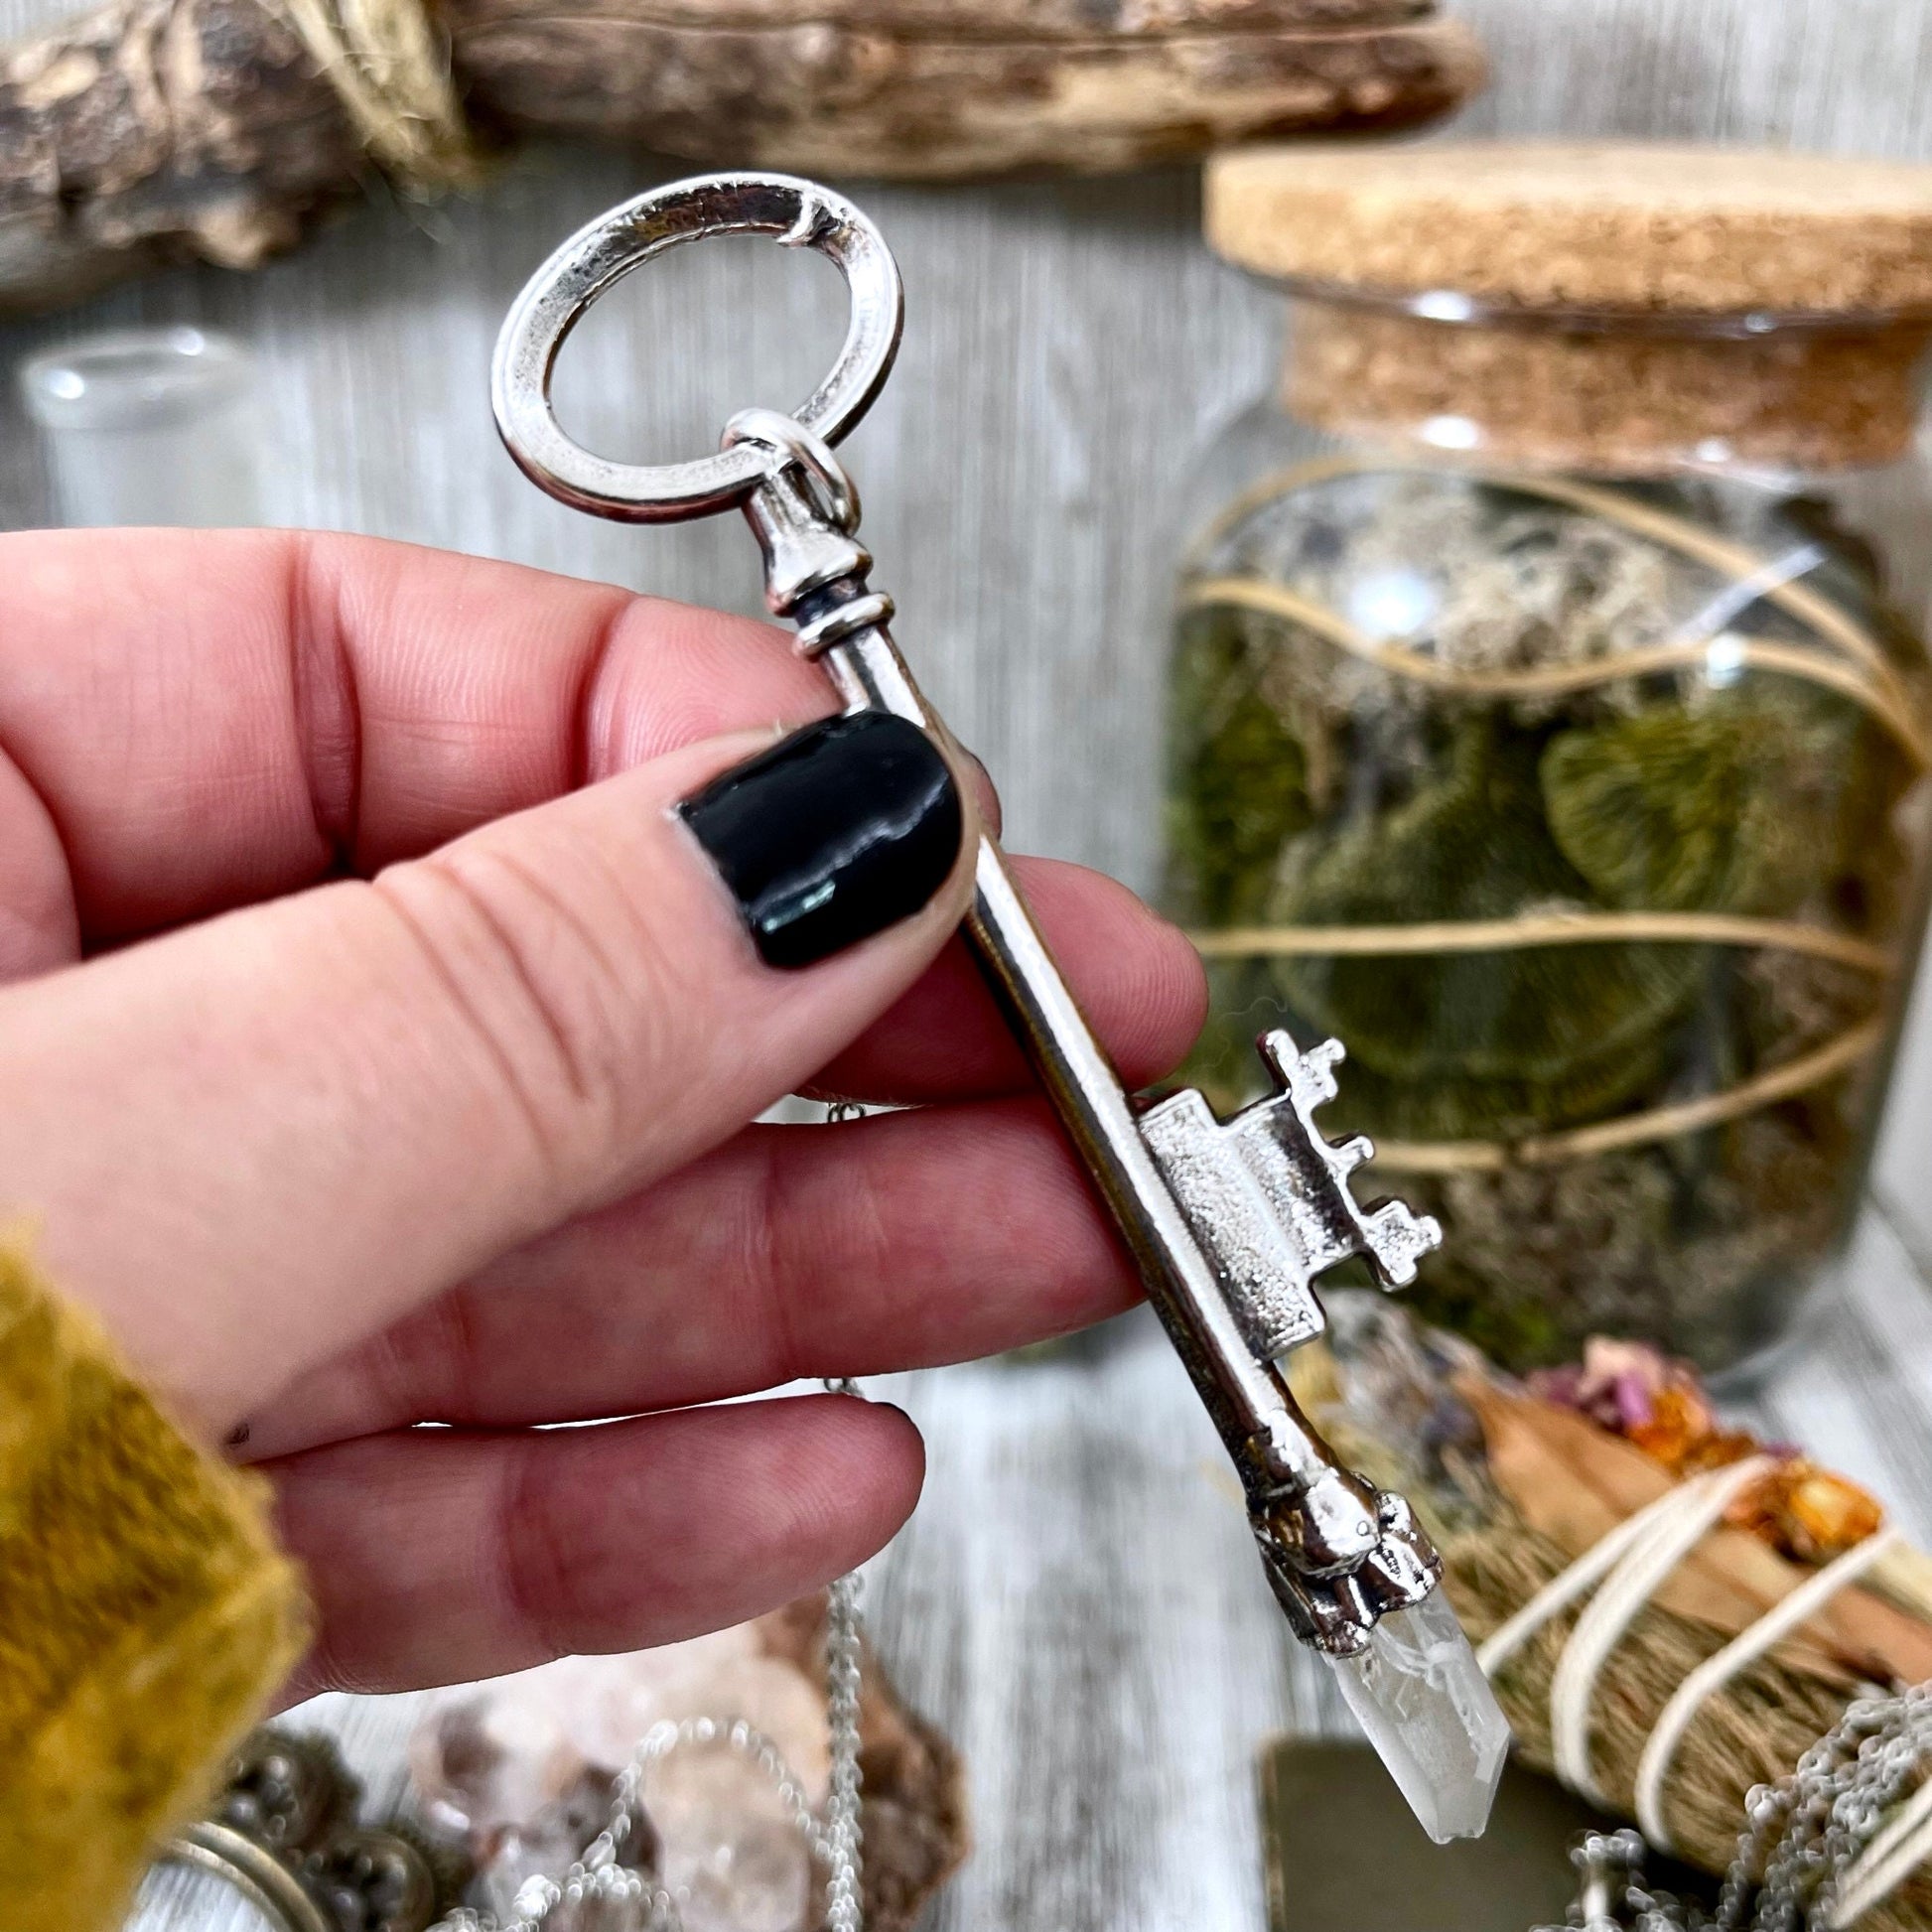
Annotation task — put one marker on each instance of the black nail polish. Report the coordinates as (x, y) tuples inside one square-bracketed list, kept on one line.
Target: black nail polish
[(844, 829)]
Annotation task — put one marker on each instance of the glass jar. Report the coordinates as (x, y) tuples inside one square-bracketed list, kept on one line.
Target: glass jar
[(1550, 724), (149, 426)]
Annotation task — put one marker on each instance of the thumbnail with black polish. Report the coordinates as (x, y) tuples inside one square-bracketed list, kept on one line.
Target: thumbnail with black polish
[(838, 832)]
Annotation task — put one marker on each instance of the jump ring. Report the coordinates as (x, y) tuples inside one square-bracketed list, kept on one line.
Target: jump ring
[(767, 429)]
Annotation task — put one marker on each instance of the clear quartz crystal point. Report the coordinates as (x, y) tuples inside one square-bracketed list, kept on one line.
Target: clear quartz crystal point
[(1422, 1697)]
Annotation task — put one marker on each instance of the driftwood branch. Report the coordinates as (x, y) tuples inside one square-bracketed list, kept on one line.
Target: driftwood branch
[(162, 130), (159, 130), (859, 99)]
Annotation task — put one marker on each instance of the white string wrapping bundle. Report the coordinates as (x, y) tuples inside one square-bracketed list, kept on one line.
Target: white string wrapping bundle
[(1624, 1569)]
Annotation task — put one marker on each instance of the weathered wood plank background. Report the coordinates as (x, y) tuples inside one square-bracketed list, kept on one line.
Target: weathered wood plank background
[(1075, 1599)]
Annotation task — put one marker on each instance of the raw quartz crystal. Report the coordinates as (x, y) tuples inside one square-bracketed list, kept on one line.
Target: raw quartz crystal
[(1422, 1697), (522, 1768)]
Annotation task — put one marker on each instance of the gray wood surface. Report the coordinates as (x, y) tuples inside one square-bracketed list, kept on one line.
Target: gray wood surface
[(1076, 1599)]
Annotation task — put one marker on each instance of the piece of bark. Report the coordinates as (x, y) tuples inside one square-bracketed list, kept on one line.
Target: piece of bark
[(1026, 20), (157, 131)]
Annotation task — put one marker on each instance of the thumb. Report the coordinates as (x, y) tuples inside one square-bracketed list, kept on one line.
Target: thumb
[(256, 1140)]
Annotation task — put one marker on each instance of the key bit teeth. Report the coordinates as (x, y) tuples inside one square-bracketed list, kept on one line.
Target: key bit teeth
[(1398, 1239), (1268, 1196), (1308, 1079), (1351, 1153), (1393, 1238)]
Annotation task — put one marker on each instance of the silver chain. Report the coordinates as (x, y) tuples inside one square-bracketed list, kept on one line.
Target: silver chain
[(600, 1873), (1801, 1836), (842, 1850), (1803, 1832)]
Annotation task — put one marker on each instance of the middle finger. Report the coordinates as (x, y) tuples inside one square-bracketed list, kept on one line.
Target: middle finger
[(907, 1239)]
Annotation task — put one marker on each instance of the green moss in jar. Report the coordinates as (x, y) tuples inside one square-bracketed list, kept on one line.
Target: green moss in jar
[(1576, 813)]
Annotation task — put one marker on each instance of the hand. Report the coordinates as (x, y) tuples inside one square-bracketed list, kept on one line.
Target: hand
[(422, 1095)]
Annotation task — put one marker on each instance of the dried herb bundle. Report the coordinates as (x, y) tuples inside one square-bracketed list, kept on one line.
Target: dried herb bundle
[(1516, 1484), (1582, 814)]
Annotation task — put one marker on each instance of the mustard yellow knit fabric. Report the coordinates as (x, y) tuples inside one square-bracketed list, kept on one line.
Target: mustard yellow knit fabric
[(146, 1615)]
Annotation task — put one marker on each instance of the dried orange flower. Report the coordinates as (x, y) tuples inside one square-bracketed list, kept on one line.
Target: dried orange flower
[(1635, 1392), (1806, 1512), (1678, 1425), (1826, 1515)]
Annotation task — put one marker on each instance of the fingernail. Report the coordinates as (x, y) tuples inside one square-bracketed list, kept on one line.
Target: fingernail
[(844, 828)]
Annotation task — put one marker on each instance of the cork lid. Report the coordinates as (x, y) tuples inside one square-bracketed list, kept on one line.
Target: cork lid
[(1690, 230)]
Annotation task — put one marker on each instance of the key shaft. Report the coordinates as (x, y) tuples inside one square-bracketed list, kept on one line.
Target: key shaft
[(1337, 1552)]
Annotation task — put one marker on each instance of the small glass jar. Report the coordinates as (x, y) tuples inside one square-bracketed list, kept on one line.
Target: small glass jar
[(149, 426), (1549, 710)]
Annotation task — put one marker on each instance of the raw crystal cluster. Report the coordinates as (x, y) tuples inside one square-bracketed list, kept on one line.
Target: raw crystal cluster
[(1421, 1697), (521, 1768)]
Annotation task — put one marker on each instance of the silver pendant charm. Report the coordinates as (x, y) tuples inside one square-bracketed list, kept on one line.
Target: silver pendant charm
[(1228, 1222)]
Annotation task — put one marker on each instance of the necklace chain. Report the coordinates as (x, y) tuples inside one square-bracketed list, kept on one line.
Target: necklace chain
[(1801, 1839), (841, 1850)]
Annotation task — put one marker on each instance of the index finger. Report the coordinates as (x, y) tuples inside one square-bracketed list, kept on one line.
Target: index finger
[(191, 720), (211, 717)]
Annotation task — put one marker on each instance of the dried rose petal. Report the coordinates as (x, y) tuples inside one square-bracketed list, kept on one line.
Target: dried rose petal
[(1620, 1382), (1606, 1358), (1633, 1401)]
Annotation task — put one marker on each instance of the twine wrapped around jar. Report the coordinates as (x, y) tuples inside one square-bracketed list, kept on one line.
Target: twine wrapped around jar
[(1843, 658), (1708, 777)]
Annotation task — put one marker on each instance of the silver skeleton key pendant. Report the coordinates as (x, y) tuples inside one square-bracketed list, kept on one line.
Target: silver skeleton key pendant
[(1228, 1222)]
